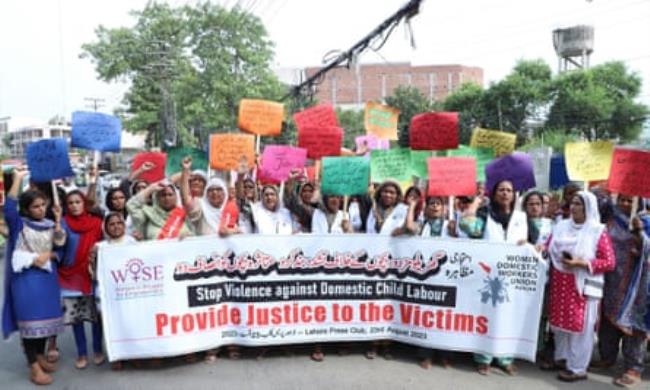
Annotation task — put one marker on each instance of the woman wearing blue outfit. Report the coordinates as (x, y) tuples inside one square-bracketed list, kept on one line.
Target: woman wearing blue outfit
[(32, 294)]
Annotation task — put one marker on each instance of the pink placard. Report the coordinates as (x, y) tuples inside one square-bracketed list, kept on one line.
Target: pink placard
[(371, 142), (279, 160)]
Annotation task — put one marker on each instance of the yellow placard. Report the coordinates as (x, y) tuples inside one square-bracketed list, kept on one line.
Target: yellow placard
[(501, 142), (588, 161), (381, 120), (261, 117)]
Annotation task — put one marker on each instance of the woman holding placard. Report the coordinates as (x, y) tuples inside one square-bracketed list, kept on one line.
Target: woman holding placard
[(625, 296), (387, 217), (84, 231), (329, 218), (581, 251), (433, 224), (164, 219), (32, 293), (497, 222)]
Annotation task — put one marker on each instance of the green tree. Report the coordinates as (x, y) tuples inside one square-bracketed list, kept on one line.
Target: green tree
[(352, 123), (206, 57), (598, 103), (508, 104), (410, 101), (468, 102)]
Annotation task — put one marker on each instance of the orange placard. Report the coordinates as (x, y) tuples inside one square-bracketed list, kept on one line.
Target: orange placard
[(261, 117), (227, 150), (381, 120)]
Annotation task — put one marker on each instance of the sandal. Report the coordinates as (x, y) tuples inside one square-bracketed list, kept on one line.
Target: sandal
[(483, 369), (426, 363), (234, 353), (629, 379), (99, 359), (81, 363), (510, 369), (446, 364), (53, 355), (210, 357), (371, 353), (569, 376), (317, 355)]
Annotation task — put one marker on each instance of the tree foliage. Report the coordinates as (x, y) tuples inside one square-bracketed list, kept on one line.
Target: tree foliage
[(205, 56), (596, 103), (410, 101)]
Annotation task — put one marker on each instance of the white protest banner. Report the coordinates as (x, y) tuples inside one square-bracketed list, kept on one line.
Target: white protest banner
[(167, 298)]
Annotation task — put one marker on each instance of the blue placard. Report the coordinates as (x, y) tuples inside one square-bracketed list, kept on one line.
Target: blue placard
[(48, 160), (559, 177), (96, 131)]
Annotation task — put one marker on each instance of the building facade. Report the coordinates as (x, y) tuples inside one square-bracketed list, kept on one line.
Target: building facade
[(352, 88), (19, 138)]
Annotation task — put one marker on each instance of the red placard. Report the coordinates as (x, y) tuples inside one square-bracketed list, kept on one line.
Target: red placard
[(321, 141), (159, 161), (629, 172), (452, 176), (434, 131), (322, 115)]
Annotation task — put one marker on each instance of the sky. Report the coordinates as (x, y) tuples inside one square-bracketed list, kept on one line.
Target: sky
[(41, 74)]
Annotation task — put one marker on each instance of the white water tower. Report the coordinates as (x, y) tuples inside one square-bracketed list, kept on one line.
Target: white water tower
[(573, 46)]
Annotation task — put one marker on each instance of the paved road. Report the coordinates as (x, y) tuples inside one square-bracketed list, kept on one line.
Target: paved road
[(279, 371)]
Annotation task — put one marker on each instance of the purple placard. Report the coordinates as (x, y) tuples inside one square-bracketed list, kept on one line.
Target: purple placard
[(516, 167), (279, 160)]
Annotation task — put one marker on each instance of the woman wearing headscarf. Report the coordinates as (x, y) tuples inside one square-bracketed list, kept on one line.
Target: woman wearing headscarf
[(387, 217), (497, 222), (581, 251), (299, 199), (625, 296), (31, 291), (269, 215), (84, 231), (164, 219), (329, 218), (210, 214)]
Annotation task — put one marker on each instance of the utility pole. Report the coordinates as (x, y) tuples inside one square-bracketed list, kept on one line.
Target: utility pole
[(95, 103), (161, 70)]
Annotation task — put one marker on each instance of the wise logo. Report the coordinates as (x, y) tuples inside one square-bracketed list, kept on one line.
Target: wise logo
[(136, 279), (135, 270)]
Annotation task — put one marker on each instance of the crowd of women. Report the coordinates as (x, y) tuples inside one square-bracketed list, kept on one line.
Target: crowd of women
[(596, 246)]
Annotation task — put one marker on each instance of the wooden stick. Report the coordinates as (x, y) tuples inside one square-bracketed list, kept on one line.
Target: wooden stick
[(317, 171), (635, 209), (96, 158), (257, 144), (451, 207), (55, 194), (346, 199)]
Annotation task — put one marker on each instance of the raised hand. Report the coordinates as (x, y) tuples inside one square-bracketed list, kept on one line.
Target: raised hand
[(186, 164)]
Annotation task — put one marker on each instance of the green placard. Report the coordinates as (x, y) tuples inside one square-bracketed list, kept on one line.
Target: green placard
[(176, 155), (482, 155), (392, 164), (345, 175), (419, 163)]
